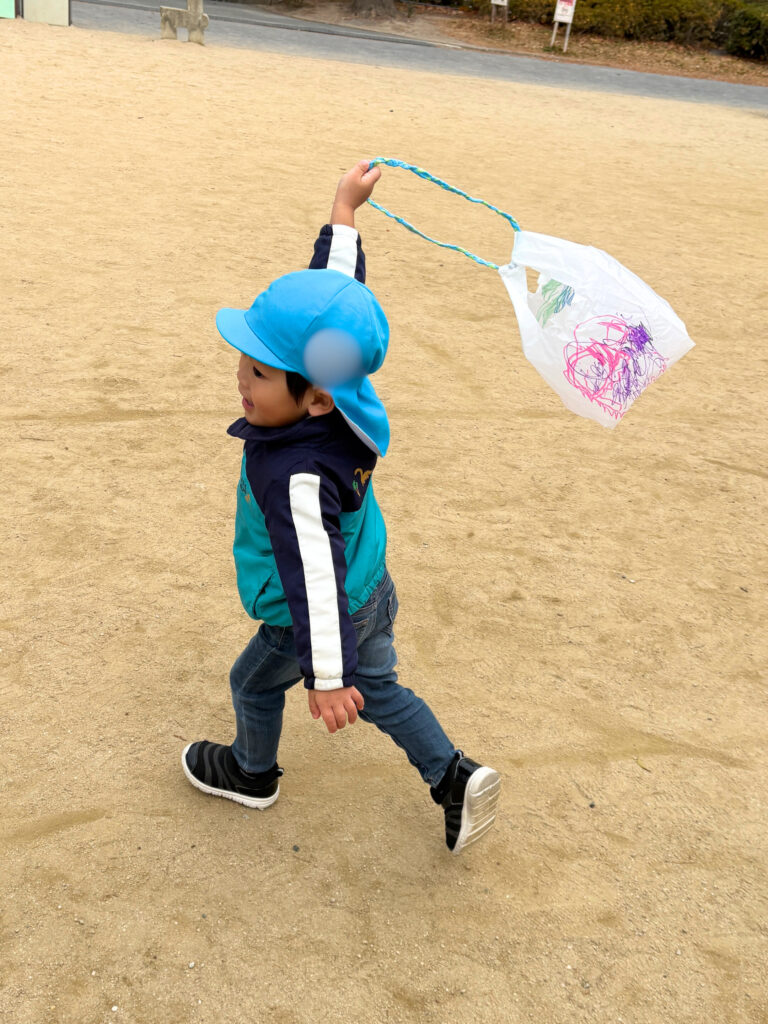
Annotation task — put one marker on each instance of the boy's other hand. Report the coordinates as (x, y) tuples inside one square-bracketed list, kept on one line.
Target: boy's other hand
[(352, 191), (336, 707)]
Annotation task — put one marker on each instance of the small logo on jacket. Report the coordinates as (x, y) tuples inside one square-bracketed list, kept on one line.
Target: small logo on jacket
[(358, 487)]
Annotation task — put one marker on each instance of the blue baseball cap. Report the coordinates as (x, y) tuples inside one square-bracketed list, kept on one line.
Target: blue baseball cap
[(328, 327)]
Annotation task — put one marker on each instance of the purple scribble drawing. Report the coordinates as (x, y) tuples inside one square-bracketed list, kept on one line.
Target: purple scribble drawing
[(611, 362)]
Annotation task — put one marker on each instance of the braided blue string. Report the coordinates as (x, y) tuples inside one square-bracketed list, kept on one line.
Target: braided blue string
[(421, 173)]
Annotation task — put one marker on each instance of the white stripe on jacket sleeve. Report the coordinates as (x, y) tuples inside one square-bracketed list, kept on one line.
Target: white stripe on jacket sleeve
[(343, 254), (319, 581)]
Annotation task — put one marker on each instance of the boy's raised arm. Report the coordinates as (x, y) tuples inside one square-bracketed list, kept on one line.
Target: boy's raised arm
[(338, 245), (352, 191)]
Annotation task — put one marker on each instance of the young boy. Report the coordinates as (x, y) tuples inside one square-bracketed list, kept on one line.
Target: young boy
[(310, 539)]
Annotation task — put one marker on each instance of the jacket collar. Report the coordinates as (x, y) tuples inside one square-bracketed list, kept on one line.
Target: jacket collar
[(308, 428)]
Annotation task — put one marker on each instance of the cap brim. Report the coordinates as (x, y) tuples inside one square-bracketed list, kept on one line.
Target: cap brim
[(234, 329)]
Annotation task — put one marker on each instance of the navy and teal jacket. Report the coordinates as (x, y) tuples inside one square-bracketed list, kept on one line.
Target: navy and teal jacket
[(310, 539)]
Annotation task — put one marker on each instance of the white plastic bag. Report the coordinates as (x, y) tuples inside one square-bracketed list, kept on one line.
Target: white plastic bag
[(595, 332)]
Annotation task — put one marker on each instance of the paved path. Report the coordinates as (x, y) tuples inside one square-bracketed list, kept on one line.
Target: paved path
[(260, 29)]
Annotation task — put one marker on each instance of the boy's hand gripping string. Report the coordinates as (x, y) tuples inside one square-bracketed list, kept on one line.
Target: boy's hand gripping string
[(353, 190), (421, 173)]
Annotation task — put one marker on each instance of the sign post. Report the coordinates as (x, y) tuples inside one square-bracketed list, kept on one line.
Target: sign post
[(563, 16), (499, 3)]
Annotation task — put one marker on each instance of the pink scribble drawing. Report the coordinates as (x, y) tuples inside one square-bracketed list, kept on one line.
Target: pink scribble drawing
[(611, 362)]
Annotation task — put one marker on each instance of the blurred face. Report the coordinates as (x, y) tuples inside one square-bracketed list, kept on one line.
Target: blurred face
[(267, 402)]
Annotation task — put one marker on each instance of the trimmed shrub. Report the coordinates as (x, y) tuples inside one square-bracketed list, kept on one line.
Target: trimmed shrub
[(679, 21), (533, 10), (739, 26), (743, 29)]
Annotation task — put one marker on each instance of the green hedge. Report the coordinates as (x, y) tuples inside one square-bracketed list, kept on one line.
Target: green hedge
[(743, 29), (679, 21), (739, 26)]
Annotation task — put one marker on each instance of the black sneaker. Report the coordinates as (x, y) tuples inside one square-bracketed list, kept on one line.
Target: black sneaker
[(468, 793), (212, 768)]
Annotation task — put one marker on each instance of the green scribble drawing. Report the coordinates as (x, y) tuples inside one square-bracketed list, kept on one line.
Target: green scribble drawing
[(555, 296)]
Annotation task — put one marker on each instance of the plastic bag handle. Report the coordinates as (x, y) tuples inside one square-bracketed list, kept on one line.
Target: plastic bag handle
[(421, 173)]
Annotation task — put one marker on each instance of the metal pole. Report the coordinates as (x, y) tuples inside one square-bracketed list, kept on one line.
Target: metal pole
[(554, 33), (567, 34)]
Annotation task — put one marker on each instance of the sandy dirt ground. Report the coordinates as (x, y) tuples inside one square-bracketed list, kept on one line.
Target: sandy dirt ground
[(584, 609)]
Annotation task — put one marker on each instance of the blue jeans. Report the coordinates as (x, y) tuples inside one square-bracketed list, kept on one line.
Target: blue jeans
[(268, 667)]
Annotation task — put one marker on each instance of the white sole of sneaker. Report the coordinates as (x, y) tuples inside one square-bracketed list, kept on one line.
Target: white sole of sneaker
[(258, 803), (479, 810)]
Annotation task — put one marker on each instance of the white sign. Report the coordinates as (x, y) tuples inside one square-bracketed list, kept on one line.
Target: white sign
[(564, 11), (500, 3)]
